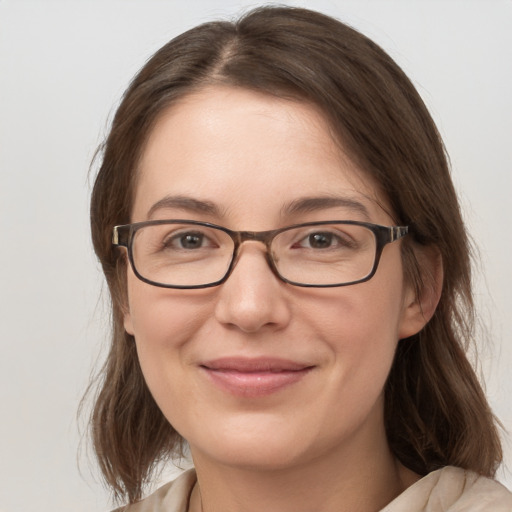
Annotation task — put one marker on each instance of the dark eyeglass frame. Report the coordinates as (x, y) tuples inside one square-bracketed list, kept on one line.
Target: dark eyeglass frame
[(123, 236)]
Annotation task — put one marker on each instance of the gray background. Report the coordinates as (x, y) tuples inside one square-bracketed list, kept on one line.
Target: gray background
[(63, 67)]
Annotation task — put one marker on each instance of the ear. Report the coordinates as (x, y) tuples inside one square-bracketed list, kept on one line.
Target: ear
[(420, 304), (127, 322), (127, 316), (121, 293)]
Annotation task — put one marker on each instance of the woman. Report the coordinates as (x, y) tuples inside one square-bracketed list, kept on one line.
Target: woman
[(290, 282)]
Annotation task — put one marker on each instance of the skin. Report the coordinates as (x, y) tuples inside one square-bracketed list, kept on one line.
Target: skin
[(321, 439)]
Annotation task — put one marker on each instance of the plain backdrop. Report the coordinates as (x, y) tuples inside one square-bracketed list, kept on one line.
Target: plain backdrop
[(63, 67)]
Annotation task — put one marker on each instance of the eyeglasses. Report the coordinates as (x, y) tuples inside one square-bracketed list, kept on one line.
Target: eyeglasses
[(191, 254)]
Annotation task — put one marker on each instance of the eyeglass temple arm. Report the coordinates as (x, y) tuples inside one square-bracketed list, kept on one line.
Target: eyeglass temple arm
[(120, 236), (397, 232)]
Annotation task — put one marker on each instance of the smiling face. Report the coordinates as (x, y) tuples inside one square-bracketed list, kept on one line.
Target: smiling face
[(256, 372)]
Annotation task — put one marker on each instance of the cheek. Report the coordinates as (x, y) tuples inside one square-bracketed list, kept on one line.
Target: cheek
[(361, 328), (364, 317), (362, 355), (161, 318), (163, 322)]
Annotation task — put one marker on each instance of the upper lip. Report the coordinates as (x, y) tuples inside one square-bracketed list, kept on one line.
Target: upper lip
[(258, 364)]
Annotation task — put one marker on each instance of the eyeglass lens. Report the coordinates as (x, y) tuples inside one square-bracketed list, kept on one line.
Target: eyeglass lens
[(195, 255)]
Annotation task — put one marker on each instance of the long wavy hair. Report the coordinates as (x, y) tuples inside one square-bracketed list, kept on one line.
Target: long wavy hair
[(436, 413)]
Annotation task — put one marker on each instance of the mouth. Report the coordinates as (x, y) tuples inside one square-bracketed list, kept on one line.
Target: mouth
[(251, 378)]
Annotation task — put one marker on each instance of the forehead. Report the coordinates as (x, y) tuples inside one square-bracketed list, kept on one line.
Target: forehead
[(249, 154)]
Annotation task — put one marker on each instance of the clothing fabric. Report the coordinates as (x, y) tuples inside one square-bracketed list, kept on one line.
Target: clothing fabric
[(446, 490)]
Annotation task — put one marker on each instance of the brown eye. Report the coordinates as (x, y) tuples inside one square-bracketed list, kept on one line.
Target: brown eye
[(320, 240), (189, 240), (324, 240)]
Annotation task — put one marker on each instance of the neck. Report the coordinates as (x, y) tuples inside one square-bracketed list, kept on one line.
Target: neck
[(343, 480)]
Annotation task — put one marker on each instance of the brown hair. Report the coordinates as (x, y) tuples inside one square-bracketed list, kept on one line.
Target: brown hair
[(436, 413)]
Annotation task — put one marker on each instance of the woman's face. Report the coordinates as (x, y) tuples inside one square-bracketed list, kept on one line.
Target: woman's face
[(256, 372)]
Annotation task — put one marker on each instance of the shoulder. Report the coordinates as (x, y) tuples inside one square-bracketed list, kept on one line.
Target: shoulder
[(172, 497), (453, 490)]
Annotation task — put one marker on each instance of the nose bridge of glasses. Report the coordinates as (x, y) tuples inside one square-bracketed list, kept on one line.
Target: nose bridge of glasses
[(264, 237)]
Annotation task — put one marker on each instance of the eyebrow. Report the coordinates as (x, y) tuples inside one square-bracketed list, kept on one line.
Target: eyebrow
[(312, 204), (185, 203), (302, 205)]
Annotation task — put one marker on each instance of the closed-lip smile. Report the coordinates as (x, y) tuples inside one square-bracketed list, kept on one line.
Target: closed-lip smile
[(254, 377)]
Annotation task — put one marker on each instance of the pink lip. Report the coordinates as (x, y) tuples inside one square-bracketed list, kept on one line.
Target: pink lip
[(254, 377)]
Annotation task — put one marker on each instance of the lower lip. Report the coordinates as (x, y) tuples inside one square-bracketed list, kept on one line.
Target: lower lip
[(255, 384)]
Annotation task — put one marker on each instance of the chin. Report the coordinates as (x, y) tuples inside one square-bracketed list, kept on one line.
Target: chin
[(255, 446), (265, 456)]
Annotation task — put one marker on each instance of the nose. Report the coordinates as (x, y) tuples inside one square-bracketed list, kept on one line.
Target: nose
[(253, 298)]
